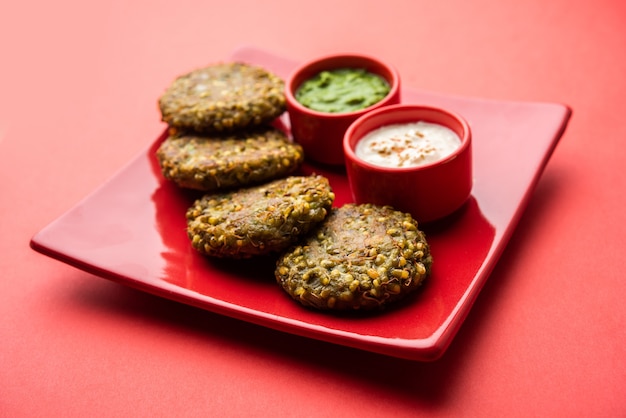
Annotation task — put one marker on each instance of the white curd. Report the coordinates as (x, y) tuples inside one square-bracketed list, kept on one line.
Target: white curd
[(407, 144)]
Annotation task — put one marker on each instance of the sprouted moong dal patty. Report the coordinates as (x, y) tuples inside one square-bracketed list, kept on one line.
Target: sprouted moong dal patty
[(258, 220), (223, 97), (361, 257), (216, 162)]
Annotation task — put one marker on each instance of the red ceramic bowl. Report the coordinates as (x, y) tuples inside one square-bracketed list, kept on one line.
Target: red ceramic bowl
[(320, 133), (429, 192)]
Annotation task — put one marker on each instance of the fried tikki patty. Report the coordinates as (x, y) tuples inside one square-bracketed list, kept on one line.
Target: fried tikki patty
[(361, 257), (258, 220), (218, 162), (223, 97)]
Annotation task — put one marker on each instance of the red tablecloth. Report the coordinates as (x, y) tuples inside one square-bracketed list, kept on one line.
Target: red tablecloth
[(78, 89)]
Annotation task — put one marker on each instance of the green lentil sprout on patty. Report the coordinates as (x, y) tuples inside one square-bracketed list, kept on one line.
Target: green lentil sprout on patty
[(258, 220), (223, 97), (362, 257), (215, 162)]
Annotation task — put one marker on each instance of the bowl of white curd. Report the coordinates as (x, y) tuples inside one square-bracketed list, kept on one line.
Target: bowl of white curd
[(415, 158)]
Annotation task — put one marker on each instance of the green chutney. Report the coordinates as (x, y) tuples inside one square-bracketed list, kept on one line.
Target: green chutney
[(342, 90)]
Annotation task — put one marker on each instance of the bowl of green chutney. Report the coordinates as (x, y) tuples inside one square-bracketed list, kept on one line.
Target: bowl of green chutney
[(325, 95)]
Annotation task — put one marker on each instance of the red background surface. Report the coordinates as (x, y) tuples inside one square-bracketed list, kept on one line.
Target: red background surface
[(78, 89)]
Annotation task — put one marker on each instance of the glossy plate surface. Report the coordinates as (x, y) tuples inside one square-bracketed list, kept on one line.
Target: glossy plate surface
[(132, 230)]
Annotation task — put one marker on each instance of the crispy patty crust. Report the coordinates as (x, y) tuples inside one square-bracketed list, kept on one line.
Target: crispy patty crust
[(361, 257), (218, 162), (223, 97), (258, 220)]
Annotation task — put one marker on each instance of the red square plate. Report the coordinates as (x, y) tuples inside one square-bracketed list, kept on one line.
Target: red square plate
[(132, 230)]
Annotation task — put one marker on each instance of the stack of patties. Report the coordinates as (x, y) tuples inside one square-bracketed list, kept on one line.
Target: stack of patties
[(222, 142), (220, 133)]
